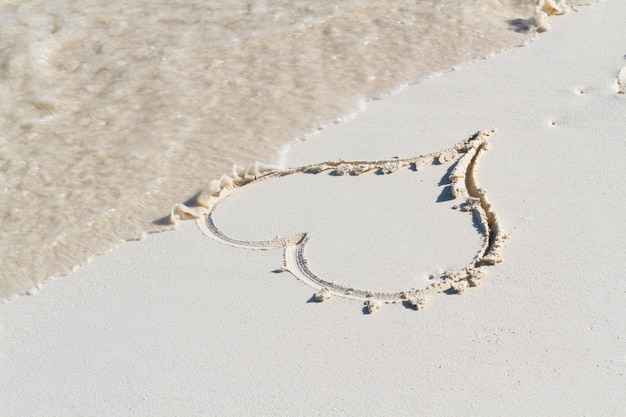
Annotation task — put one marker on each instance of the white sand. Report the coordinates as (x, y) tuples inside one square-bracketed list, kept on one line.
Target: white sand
[(180, 324)]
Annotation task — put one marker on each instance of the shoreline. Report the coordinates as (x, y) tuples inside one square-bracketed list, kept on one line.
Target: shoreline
[(158, 98), (179, 323), (163, 224)]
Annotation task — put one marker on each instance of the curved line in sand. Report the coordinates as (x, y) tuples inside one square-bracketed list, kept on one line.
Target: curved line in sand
[(621, 81), (463, 184), (209, 228)]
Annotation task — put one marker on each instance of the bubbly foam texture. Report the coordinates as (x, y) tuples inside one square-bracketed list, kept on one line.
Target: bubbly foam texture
[(111, 112)]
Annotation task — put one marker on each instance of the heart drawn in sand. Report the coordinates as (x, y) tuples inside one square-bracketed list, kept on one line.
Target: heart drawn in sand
[(463, 187)]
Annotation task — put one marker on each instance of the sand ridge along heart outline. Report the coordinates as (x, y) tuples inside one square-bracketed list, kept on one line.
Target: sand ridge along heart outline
[(463, 187)]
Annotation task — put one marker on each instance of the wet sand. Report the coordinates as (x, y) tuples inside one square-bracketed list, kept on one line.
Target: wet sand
[(112, 112)]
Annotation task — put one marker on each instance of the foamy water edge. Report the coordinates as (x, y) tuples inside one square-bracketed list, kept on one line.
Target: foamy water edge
[(360, 105)]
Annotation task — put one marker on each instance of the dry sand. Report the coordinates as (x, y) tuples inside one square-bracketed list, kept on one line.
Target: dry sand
[(182, 324)]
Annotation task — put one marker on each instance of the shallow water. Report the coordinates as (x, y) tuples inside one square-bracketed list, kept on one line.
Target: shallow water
[(113, 112)]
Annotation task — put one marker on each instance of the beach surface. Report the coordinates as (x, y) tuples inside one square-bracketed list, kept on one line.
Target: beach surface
[(183, 323), (110, 109)]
